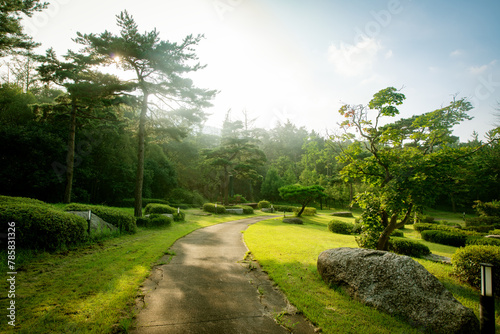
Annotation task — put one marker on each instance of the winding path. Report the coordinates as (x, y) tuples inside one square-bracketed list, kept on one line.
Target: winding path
[(207, 287)]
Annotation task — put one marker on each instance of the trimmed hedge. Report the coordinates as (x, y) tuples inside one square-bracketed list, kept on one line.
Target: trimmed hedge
[(408, 247), (397, 233), (124, 221), (283, 208), (247, 210), (159, 208), (482, 241), (479, 221), (444, 238), (22, 200), (42, 227), (159, 220), (342, 214), (210, 207), (466, 264), (340, 227), (308, 211), (264, 204)]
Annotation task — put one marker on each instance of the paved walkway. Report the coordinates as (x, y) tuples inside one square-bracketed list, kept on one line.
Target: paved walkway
[(207, 287)]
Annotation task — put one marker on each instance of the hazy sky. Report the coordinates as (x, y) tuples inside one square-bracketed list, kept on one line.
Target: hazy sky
[(301, 60)]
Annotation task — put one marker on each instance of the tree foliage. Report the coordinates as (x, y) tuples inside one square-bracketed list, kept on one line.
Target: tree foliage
[(411, 160), (301, 194)]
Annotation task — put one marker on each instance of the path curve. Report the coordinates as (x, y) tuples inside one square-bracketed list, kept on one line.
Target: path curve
[(207, 287)]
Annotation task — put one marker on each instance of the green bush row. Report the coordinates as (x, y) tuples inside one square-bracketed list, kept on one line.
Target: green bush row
[(283, 208), (407, 247), (124, 221), (340, 227), (154, 220), (41, 227), (481, 221), (466, 264), (247, 210), (163, 208), (482, 241), (22, 200), (444, 237), (210, 207), (308, 211), (420, 227)]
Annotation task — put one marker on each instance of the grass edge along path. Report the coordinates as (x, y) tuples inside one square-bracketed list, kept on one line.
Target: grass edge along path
[(288, 253), (93, 289)]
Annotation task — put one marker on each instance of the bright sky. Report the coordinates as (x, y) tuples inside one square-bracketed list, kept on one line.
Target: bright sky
[(301, 60)]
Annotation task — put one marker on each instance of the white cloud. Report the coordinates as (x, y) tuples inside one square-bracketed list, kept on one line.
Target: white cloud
[(476, 70), (352, 60), (456, 53)]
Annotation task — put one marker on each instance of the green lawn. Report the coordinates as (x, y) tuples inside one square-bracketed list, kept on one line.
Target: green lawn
[(289, 254), (91, 289)]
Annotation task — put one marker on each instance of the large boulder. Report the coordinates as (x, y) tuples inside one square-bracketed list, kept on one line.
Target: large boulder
[(397, 285), (97, 225)]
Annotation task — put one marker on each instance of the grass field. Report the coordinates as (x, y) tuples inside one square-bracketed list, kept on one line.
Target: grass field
[(91, 289), (289, 254)]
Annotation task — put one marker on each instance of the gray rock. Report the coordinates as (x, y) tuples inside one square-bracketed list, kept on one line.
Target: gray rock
[(97, 225), (397, 285), (162, 214), (235, 211), (267, 209), (293, 221)]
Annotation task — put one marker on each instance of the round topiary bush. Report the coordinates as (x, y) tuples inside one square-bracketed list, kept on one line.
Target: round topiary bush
[(159, 220), (264, 204), (340, 227), (466, 264), (210, 207), (41, 227), (159, 208), (408, 247)]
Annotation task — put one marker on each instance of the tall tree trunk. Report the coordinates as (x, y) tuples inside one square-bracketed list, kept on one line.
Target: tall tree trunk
[(70, 157), (391, 225), (139, 180)]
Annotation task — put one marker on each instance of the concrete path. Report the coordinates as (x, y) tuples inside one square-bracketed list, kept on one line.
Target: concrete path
[(208, 287)]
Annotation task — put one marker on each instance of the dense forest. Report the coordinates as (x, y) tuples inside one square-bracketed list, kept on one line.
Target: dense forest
[(73, 132)]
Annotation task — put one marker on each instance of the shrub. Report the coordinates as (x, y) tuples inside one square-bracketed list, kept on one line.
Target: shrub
[(283, 208), (159, 220), (308, 211), (293, 221), (488, 209), (481, 221), (237, 199), (340, 227), (343, 214), (466, 264), (142, 221), (264, 204), (357, 228), (181, 195), (179, 216), (397, 233), (495, 232), (408, 247), (210, 207), (481, 229), (444, 238), (42, 227), (22, 200), (159, 208), (124, 221), (247, 210), (482, 241)]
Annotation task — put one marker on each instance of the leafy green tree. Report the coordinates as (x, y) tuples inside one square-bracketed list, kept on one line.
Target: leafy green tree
[(12, 37), (411, 160), (301, 194), (271, 184), (238, 156), (159, 67), (90, 94)]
